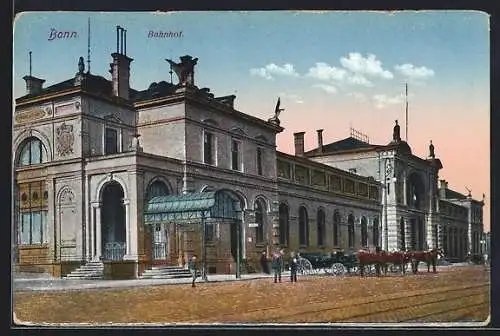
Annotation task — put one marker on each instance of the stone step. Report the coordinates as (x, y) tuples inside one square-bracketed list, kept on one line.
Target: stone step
[(165, 276)]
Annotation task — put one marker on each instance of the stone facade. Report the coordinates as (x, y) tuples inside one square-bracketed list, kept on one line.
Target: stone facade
[(87, 163)]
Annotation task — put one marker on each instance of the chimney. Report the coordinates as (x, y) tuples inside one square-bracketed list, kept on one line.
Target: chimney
[(442, 189), (33, 85), (299, 143), (320, 140), (120, 68)]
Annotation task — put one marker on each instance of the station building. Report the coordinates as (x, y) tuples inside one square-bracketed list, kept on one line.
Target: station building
[(135, 179)]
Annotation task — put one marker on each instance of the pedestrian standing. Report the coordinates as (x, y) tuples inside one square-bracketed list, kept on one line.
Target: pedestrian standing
[(293, 267), (276, 264), (193, 269), (263, 263)]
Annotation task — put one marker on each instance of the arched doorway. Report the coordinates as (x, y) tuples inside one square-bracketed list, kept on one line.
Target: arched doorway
[(113, 226), (157, 235), (350, 231)]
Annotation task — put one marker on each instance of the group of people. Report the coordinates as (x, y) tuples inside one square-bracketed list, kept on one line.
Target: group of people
[(278, 266)]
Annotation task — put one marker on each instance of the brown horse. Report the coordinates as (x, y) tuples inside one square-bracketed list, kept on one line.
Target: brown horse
[(397, 258), (368, 258), (429, 257)]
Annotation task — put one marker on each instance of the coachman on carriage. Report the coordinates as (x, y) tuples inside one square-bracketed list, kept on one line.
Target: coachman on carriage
[(366, 261)]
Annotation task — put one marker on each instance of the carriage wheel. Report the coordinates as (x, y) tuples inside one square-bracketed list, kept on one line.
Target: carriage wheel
[(304, 266), (372, 270), (338, 269)]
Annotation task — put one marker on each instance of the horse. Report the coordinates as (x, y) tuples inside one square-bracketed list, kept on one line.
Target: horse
[(397, 258), (368, 258), (429, 257)]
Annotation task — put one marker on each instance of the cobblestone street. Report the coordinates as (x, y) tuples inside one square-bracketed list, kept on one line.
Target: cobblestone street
[(455, 294)]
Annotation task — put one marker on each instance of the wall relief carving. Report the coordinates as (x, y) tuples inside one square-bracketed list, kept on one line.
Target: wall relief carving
[(29, 115), (66, 196), (65, 139)]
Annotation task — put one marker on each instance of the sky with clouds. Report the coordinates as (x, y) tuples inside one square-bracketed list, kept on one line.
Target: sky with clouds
[(332, 70)]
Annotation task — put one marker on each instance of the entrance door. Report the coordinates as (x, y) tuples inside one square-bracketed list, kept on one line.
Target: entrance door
[(159, 243)]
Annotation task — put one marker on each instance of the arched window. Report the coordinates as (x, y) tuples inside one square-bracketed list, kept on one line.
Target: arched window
[(303, 227), (320, 226), (32, 152), (364, 232), (402, 235), (336, 228), (284, 224), (259, 219), (350, 231), (157, 188), (375, 232)]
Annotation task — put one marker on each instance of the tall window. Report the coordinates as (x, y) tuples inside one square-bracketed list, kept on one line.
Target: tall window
[(208, 149), (364, 232), (284, 224), (32, 152), (32, 222), (259, 219), (303, 227), (320, 227), (111, 141), (157, 188), (350, 231), (259, 161), (402, 234), (375, 232), (235, 155), (336, 228)]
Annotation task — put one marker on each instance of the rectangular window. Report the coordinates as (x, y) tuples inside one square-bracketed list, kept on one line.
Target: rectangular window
[(33, 228), (259, 161), (36, 227), (208, 148), (209, 232), (235, 155), (111, 141), (25, 228)]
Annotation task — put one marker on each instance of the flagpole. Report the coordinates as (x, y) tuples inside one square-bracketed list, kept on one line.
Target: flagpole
[(406, 116)]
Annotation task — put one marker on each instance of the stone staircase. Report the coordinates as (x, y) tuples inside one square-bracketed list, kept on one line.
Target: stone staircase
[(166, 272), (92, 270)]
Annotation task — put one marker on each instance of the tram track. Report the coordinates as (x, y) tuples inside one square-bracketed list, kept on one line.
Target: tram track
[(327, 306), (378, 307)]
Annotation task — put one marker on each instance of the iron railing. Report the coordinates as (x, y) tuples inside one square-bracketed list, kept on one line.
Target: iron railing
[(114, 250)]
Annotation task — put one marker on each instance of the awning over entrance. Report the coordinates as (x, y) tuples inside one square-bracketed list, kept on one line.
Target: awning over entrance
[(220, 205)]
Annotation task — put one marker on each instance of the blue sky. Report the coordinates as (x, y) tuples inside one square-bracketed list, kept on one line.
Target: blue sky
[(332, 70), (228, 44)]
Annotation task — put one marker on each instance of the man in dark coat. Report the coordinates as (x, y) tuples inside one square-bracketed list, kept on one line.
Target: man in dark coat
[(293, 267), (263, 263), (277, 262)]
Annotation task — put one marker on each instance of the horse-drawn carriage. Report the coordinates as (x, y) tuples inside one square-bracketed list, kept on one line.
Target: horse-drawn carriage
[(365, 262)]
